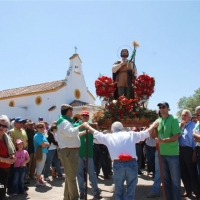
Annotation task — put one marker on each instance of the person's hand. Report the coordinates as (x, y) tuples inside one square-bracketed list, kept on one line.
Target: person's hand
[(123, 62), (196, 137), (23, 164), (159, 141), (10, 160), (90, 129), (182, 124), (47, 144), (85, 125)]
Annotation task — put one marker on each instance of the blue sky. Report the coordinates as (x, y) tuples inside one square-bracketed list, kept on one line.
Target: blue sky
[(38, 37)]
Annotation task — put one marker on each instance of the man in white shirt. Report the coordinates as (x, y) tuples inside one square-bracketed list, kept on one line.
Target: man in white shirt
[(121, 146), (69, 143)]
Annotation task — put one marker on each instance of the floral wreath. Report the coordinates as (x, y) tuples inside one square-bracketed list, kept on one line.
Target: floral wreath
[(105, 87), (144, 86)]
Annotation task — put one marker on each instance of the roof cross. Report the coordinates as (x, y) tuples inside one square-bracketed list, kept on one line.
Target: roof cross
[(75, 49)]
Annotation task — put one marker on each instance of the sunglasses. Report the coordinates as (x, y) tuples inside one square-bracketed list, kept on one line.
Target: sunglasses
[(196, 114), (40, 126), (162, 107), (4, 126), (85, 115)]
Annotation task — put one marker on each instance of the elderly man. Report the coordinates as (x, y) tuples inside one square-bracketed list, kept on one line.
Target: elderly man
[(187, 145), (82, 159), (168, 134), (69, 143), (121, 146), (196, 134), (18, 132)]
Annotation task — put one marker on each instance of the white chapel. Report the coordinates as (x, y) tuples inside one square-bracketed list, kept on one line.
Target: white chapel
[(45, 99)]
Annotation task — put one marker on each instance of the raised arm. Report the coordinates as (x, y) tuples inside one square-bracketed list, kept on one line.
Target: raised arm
[(116, 66)]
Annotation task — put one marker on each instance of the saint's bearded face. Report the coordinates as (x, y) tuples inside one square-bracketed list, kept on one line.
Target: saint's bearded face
[(124, 53)]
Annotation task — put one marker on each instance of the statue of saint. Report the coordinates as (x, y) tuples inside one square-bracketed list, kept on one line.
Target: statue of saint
[(124, 71)]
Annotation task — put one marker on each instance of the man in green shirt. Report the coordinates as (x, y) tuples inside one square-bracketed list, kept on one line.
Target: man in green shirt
[(82, 160), (168, 134)]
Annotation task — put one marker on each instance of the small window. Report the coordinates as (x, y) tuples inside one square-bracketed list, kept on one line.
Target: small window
[(77, 94), (76, 69), (11, 103), (38, 100)]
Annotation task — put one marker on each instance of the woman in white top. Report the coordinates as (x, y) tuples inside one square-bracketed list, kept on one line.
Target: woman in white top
[(52, 156)]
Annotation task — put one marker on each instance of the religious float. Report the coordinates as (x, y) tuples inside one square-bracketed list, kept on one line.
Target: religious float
[(131, 110)]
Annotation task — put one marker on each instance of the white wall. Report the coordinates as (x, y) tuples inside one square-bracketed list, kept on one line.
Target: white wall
[(13, 111)]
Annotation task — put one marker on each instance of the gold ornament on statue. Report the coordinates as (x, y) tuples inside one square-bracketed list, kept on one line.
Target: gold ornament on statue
[(135, 44)]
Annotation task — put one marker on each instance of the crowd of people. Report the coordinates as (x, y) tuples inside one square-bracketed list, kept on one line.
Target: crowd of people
[(29, 150)]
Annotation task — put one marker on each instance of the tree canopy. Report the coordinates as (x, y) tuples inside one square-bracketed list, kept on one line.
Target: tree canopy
[(189, 103)]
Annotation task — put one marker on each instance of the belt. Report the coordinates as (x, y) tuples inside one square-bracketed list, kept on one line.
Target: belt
[(118, 160), (74, 148), (185, 147)]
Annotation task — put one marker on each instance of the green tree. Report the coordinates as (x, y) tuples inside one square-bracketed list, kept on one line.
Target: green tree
[(189, 103)]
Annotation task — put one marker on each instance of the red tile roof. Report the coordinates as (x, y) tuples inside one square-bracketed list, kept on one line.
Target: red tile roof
[(43, 87)]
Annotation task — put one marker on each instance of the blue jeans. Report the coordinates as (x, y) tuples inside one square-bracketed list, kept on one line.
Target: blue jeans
[(150, 155), (52, 157), (125, 171), (18, 181), (139, 153), (91, 172), (198, 164), (171, 173), (157, 180)]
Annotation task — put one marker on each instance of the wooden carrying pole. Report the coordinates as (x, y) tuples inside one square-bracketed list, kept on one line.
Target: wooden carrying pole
[(86, 157), (161, 169), (161, 173), (86, 163)]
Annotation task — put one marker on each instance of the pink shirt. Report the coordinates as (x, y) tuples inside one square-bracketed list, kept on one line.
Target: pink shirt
[(21, 156)]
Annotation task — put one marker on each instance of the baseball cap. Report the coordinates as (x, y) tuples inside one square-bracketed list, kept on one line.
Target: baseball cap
[(18, 141), (65, 107), (29, 121), (85, 112), (19, 120), (164, 104), (40, 118)]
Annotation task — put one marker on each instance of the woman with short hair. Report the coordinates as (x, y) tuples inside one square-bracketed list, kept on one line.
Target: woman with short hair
[(40, 141)]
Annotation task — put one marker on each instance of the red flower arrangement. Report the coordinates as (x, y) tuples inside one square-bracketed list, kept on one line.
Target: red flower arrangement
[(121, 108), (144, 86), (105, 86)]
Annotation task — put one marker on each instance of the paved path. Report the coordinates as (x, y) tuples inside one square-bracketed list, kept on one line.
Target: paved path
[(54, 190)]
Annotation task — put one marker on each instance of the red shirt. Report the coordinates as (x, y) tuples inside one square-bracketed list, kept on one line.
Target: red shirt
[(3, 154)]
